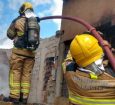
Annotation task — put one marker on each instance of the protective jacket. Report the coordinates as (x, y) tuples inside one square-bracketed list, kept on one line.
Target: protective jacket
[(86, 91)]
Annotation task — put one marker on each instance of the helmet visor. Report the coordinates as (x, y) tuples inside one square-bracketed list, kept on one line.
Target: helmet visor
[(99, 64)]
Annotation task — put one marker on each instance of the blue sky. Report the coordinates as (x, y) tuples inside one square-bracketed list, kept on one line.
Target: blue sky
[(9, 11)]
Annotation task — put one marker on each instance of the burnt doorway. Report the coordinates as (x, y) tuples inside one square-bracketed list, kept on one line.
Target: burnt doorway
[(108, 31), (64, 90)]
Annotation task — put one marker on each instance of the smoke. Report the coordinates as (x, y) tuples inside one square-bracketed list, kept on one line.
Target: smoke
[(4, 80), (6, 43)]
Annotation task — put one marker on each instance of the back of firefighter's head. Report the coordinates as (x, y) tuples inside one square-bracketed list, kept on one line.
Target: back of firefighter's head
[(85, 50), (25, 6)]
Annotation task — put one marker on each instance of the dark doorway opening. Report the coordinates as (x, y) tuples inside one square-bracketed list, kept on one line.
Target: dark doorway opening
[(108, 31)]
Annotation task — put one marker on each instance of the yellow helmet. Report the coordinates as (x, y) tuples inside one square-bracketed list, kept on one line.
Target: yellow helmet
[(25, 6), (85, 49)]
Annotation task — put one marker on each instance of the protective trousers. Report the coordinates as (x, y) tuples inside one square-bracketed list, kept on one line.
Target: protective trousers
[(20, 75)]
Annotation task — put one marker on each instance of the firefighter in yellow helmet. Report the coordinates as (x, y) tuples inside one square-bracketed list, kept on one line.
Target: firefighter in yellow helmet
[(23, 53), (89, 84)]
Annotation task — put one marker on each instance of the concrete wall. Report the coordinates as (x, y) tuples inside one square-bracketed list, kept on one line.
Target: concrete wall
[(48, 48)]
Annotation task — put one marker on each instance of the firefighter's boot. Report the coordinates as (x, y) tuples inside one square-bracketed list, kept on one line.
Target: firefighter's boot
[(23, 100), (15, 101)]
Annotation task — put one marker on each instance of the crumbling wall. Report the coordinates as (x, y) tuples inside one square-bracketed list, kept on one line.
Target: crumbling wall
[(48, 48)]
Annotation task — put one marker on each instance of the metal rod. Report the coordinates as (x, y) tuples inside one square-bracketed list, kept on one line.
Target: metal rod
[(92, 30)]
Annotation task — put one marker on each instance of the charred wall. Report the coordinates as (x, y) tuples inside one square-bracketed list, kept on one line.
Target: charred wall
[(96, 12)]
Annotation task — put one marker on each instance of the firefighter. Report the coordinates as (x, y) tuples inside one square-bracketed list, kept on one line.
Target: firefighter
[(88, 83), (22, 58)]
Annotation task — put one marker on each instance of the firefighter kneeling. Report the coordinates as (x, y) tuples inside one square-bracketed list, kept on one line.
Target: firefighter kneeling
[(88, 83)]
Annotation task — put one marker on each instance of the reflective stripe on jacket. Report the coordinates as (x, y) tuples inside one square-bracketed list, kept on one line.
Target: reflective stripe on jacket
[(88, 101)]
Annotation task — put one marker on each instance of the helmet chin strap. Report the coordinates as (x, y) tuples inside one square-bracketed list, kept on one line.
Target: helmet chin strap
[(96, 67), (29, 13)]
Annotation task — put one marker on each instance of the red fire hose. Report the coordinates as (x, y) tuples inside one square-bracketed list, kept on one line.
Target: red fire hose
[(92, 30)]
